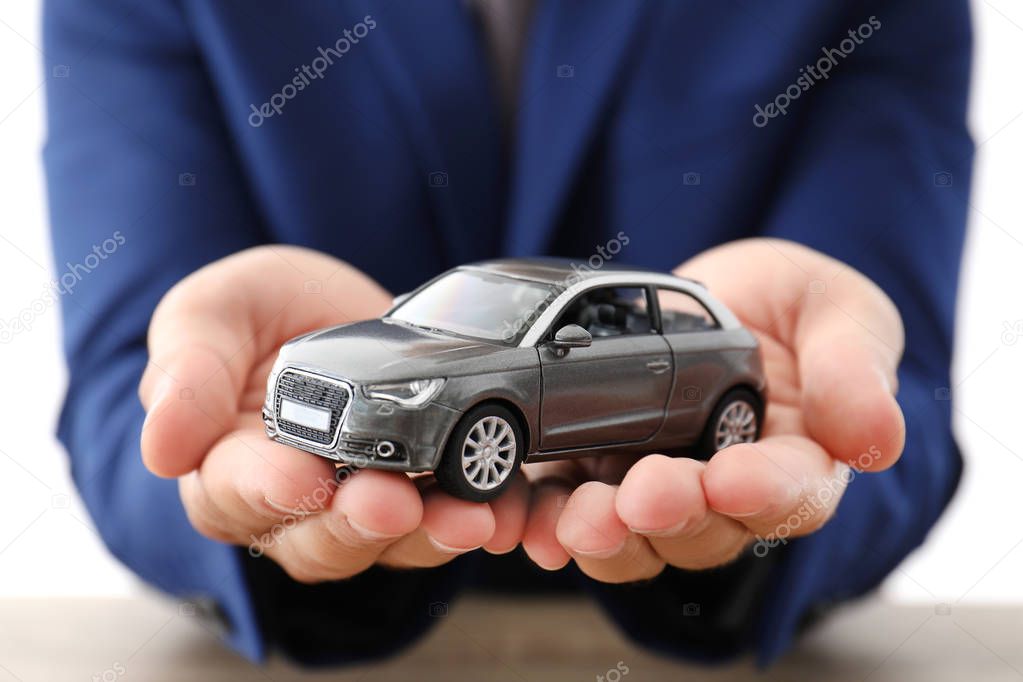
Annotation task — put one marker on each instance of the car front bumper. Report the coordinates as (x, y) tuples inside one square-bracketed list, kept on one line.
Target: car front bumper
[(364, 428)]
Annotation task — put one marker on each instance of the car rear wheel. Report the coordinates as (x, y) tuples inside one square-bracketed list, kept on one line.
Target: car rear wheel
[(737, 418), (482, 454)]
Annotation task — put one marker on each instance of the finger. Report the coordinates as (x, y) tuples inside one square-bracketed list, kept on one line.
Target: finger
[(601, 545), (662, 499), (450, 527), (510, 511), (848, 402), (249, 483), (539, 539), (369, 512), (846, 333), (778, 487), (849, 340), (191, 405), (216, 325)]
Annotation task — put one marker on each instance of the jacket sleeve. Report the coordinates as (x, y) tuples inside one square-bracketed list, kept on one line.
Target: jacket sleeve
[(144, 188), (880, 179), (876, 173)]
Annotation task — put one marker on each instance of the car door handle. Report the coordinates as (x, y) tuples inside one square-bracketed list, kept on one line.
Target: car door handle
[(658, 366)]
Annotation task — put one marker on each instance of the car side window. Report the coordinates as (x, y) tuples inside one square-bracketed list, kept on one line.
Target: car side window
[(682, 312), (609, 311)]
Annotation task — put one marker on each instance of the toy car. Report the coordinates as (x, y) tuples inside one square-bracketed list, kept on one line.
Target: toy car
[(493, 364)]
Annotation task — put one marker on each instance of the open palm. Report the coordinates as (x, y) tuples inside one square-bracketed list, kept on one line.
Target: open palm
[(212, 342), (831, 341)]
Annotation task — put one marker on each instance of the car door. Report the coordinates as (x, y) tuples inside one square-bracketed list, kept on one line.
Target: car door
[(615, 390), (701, 364)]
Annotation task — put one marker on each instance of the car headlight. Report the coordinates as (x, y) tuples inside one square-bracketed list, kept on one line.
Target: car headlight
[(405, 393)]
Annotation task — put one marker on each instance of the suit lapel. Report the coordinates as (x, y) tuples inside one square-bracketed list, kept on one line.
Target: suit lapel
[(433, 65), (576, 54)]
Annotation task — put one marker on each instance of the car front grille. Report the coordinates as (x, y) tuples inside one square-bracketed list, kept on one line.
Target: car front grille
[(315, 390)]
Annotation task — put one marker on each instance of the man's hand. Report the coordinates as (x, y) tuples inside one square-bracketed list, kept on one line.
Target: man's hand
[(212, 341), (831, 342)]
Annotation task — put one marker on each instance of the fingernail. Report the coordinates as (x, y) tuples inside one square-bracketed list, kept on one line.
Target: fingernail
[(549, 567), (369, 534), (783, 496), (600, 553), (841, 473), (162, 385), (777, 501), (745, 515), (886, 382), (555, 564), (499, 552), (160, 391), (299, 511), (446, 549), (144, 380), (662, 532)]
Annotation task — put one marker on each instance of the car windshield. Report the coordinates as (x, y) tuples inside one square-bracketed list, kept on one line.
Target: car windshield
[(477, 304)]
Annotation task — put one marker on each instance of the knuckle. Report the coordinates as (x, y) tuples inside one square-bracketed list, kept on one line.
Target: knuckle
[(300, 572), (337, 535), (588, 490), (642, 562), (213, 486), (705, 562), (710, 558), (326, 554), (204, 524), (324, 557), (301, 566)]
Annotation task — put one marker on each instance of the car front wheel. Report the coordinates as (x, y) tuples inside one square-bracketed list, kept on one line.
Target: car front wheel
[(482, 454)]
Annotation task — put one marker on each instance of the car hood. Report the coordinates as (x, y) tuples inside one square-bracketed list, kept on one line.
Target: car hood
[(375, 350)]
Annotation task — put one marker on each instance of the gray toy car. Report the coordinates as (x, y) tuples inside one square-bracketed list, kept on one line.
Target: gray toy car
[(496, 363)]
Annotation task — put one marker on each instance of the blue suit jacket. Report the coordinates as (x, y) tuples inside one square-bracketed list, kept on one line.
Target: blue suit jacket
[(634, 116)]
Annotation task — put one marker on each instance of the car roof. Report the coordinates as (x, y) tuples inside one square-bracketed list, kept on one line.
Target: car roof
[(558, 270)]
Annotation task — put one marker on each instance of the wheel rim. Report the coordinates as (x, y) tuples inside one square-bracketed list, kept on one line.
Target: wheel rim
[(737, 424), (488, 453)]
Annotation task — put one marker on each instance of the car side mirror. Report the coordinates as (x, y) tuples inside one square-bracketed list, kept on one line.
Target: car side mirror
[(571, 336), (400, 298)]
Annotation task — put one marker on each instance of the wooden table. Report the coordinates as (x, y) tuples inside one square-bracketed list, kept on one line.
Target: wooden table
[(530, 640)]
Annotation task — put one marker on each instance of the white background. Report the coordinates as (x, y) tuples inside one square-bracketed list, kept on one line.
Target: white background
[(49, 548)]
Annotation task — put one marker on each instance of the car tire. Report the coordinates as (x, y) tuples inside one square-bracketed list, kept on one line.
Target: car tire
[(481, 472), (729, 422)]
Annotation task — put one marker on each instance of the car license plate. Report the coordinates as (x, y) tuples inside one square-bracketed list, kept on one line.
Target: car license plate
[(305, 415)]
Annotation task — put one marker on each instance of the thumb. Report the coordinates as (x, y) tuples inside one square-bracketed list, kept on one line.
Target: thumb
[(215, 327), (191, 403), (849, 341), (844, 332)]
